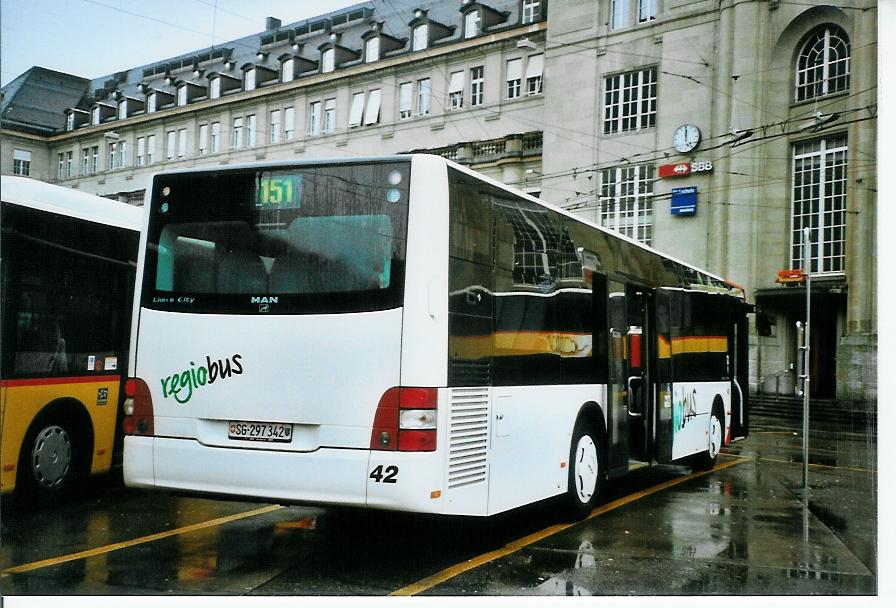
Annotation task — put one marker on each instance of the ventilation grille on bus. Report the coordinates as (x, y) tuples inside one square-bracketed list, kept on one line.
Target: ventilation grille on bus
[(468, 437)]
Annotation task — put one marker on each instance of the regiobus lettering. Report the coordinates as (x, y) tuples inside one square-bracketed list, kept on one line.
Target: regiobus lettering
[(194, 377)]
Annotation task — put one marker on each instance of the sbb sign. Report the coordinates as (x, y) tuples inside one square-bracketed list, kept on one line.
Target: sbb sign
[(680, 169)]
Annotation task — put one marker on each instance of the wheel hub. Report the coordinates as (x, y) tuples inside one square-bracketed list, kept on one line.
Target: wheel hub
[(51, 456), (586, 469)]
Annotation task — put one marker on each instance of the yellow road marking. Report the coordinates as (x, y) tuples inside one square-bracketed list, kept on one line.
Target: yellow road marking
[(138, 541), (823, 466), (457, 569)]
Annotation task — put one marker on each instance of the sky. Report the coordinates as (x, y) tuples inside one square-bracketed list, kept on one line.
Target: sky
[(92, 38)]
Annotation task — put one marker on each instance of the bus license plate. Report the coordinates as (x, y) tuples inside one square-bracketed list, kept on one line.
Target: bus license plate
[(260, 431)]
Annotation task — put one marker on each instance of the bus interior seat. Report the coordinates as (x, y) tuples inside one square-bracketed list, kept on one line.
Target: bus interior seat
[(241, 272)]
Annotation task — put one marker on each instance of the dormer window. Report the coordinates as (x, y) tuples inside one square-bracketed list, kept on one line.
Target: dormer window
[(95, 116), (249, 80), (182, 95), (531, 11), (214, 88), (102, 112), (122, 109), (151, 102), (327, 61), (420, 38), (471, 24), (372, 50), (288, 70), (70, 122)]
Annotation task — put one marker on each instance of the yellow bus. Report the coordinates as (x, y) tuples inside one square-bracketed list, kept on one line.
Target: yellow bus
[(68, 264)]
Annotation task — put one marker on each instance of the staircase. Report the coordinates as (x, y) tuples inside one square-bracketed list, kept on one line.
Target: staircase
[(846, 413)]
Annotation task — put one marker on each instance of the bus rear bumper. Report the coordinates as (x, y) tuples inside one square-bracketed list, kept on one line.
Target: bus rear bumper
[(325, 476)]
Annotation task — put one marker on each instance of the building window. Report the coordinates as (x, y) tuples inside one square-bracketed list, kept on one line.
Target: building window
[(314, 118), (249, 80), (70, 122), (626, 201), (289, 123), (181, 143), (21, 162), (122, 109), (150, 149), (216, 137), (236, 137), (122, 154), (514, 78), (477, 85), (618, 14), (214, 88), (94, 159), (646, 10), (534, 74), (372, 49), (203, 140), (95, 116), (111, 155), (150, 103), (328, 61), (372, 111), (274, 133), (69, 164), (250, 130), (531, 10), (182, 95), (171, 145), (287, 70), (405, 99), (471, 24), (456, 91), (822, 67), (423, 91), (356, 113), (329, 115), (85, 161), (60, 167), (420, 38), (819, 203), (630, 101), (141, 151)]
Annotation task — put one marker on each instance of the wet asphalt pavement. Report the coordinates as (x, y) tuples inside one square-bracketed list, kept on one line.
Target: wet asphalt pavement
[(742, 529)]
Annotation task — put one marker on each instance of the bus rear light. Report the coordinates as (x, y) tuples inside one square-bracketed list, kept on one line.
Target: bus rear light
[(138, 408), (405, 420)]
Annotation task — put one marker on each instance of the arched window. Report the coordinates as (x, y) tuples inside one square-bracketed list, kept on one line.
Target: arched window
[(822, 67)]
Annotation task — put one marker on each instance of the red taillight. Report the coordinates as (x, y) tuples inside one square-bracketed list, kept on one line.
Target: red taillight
[(403, 421), (138, 418)]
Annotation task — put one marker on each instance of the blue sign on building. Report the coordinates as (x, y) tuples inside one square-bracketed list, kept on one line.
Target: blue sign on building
[(684, 201)]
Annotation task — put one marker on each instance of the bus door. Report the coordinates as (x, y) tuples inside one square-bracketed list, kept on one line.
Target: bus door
[(738, 354), (640, 343)]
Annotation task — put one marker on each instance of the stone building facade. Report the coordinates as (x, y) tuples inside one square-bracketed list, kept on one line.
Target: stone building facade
[(713, 130)]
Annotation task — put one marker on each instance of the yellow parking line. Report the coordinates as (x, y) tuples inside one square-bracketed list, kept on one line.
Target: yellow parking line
[(822, 466), (138, 541), (453, 571)]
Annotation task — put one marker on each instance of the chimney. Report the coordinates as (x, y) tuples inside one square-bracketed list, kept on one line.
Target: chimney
[(271, 23)]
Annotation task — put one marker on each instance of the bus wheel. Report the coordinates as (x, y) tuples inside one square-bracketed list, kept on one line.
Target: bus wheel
[(49, 462), (585, 471), (707, 459)]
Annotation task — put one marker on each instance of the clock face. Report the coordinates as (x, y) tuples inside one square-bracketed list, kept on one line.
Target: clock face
[(686, 138)]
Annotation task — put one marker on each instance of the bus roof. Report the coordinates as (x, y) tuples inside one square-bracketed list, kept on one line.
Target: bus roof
[(65, 201), (407, 157)]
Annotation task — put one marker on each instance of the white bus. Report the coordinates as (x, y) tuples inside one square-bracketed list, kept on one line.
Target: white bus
[(403, 333)]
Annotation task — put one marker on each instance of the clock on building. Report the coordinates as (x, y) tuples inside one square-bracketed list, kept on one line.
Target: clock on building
[(686, 138)]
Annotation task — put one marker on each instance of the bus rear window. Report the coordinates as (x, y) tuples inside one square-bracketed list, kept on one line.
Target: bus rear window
[(314, 239)]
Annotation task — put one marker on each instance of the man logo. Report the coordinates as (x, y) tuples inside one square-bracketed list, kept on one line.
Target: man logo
[(264, 299)]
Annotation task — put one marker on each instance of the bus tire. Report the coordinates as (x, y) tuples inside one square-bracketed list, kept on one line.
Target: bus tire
[(52, 460), (707, 459), (586, 471)]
